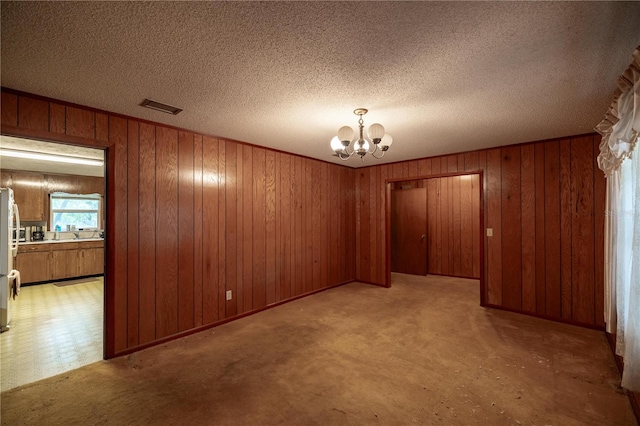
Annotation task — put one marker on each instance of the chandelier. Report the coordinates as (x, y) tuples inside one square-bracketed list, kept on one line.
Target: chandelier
[(381, 141)]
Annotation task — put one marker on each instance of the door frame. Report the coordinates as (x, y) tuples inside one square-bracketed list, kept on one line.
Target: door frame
[(481, 219), (108, 308)]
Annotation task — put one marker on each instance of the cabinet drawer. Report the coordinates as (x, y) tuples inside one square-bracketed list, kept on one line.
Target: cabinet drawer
[(91, 244), (30, 248), (64, 246)]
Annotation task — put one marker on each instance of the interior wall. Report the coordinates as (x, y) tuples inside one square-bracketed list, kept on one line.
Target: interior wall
[(192, 217), (544, 202), (453, 221)]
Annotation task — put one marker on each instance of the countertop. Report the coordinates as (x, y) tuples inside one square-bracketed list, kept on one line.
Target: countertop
[(70, 240)]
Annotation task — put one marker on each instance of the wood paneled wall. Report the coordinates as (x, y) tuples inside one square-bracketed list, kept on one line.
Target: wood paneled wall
[(191, 217), (545, 204), (453, 222)]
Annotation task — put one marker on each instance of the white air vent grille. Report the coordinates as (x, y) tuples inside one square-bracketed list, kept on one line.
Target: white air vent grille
[(148, 103)]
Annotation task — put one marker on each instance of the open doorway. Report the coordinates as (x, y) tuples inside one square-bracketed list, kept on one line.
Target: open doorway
[(57, 321), (436, 226)]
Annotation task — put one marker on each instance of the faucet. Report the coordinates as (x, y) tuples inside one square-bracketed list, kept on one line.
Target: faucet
[(77, 235)]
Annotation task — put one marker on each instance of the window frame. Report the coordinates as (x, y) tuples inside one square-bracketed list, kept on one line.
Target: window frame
[(64, 195)]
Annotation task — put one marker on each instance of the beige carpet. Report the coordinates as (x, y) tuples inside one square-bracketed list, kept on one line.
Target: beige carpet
[(421, 352)]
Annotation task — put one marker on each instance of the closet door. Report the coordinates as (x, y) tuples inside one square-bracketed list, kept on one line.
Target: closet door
[(409, 231)]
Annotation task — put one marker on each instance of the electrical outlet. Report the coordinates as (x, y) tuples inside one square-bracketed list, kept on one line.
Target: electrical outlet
[(489, 232), (229, 295)]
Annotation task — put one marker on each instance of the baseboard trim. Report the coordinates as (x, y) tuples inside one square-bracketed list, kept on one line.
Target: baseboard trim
[(453, 276), (531, 314), (371, 283), (221, 322)]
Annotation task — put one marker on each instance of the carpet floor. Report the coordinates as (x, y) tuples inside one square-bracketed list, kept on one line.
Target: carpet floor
[(421, 352)]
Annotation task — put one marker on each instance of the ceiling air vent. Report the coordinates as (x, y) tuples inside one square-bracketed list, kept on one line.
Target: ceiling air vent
[(148, 103)]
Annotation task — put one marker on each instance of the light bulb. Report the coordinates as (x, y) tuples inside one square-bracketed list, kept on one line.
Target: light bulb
[(336, 145)]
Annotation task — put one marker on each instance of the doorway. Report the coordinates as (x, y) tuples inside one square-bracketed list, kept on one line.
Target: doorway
[(436, 226), (58, 317)]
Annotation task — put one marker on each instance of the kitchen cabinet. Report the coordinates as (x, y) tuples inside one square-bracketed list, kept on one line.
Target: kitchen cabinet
[(64, 264), (33, 263), (91, 261), (31, 190), (57, 261), (74, 184), (5, 179), (28, 191)]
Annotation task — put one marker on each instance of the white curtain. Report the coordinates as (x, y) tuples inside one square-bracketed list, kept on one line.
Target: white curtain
[(610, 232), (628, 273), (620, 130)]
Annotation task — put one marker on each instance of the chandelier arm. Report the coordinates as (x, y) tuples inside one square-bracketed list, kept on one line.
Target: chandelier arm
[(345, 154), (375, 156), (343, 157), (346, 150)]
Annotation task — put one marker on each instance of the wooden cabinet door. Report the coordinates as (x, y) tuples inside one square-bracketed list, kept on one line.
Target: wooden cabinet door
[(34, 267), (28, 190), (5, 179), (91, 261), (89, 185), (65, 264)]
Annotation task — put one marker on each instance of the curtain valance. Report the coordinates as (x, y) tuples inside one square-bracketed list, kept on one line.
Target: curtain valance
[(621, 126), (619, 132)]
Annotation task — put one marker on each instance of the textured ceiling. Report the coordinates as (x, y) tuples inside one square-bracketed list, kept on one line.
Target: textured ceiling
[(441, 77)]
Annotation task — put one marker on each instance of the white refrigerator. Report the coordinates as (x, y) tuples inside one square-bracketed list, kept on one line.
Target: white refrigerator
[(9, 221)]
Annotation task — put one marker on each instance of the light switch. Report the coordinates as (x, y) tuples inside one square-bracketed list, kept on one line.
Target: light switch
[(229, 295), (489, 232)]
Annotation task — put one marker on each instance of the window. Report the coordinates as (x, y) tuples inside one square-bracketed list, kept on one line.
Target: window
[(75, 210)]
